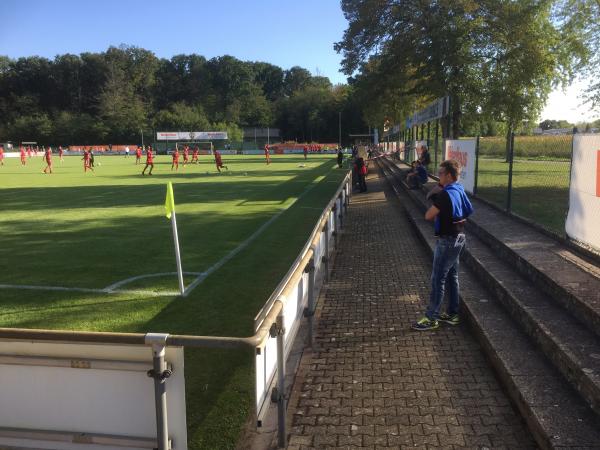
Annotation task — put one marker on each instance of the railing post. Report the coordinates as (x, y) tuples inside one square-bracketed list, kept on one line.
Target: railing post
[(476, 166), (310, 309), (334, 214), (326, 255), (341, 215), (281, 434), (160, 374), (511, 156)]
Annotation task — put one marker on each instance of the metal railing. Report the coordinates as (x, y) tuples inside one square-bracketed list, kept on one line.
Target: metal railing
[(269, 323)]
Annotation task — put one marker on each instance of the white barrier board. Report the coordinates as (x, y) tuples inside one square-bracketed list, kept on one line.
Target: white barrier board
[(463, 151), (583, 220), (86, 388), (418, 149), (293, 312)]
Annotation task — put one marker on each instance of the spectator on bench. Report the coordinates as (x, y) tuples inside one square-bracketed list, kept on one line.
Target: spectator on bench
[(417, 175)]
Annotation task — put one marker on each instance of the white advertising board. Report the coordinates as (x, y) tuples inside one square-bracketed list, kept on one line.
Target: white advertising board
[(293, 312), (79, 389), (583, 220), (464, 152), (190, 135), (418, 149)]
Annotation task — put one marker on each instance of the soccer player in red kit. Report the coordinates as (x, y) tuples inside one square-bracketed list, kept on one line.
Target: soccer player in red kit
[(138, 155), (149, 161), (305, 151), (1, 155), (175, 162), (195, 155), (60, 153), (23, 159), (48, 158), (87, 160), (186, 155), (219, 161), (29, 152), (267, 155)]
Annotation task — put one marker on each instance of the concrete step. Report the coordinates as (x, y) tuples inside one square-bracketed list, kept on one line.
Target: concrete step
[(569, 278), (572, 348), (555, 412)]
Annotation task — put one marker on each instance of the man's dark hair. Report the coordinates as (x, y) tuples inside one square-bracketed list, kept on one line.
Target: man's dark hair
[(452, 167)]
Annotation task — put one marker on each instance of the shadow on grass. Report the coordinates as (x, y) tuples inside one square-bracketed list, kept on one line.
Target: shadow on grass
[(547, 206)]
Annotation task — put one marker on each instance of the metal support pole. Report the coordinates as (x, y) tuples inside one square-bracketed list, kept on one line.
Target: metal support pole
[(334, 215), (160, 375), (341, 215), (326, 256), (476, 166), (511, 153), (437, 126), (340, 130), (310, 269), (281, 434), (428, 134)]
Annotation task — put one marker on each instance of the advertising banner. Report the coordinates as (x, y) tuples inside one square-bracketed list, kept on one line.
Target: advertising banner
[(464, 152), (584, 191), (435, 110), (190, 135), (419, 147)]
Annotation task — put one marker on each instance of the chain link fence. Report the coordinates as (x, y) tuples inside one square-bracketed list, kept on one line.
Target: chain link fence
[(538, 187)]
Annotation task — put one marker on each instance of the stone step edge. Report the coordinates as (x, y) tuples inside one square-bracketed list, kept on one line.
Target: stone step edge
[(536, 425), (578, 308), (555, 350)]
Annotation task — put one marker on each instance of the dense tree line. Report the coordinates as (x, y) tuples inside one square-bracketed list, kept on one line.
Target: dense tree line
[(111, 96), (497, 60)]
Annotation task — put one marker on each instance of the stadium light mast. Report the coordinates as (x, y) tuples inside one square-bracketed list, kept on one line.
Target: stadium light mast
[(340, 129)]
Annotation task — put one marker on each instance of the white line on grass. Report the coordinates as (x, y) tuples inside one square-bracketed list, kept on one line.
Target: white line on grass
[(88, 290), (201, 276), (118, 284), (243, 245)]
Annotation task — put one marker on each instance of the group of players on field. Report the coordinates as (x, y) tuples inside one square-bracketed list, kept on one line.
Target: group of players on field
[(88, 157)]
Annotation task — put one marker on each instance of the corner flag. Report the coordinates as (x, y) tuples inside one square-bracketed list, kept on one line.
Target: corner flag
[(169, 201), (170, 212)]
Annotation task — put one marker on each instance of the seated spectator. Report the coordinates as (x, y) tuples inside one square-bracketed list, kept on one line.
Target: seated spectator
[(417, 175), (425, 158)]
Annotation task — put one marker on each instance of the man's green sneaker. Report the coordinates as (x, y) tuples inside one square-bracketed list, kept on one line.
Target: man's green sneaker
[(452, 319), (425, 324)]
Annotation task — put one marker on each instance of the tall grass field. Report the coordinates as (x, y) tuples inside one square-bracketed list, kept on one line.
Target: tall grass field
[(89, 231)]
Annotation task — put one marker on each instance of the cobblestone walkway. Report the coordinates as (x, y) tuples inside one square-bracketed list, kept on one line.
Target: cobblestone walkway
[(371, 382)]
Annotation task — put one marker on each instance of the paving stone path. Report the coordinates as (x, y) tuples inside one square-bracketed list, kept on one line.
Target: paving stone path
[(370, 381)]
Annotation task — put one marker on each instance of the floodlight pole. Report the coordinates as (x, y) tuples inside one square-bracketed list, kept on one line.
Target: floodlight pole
[(340, 129), (177, 255)]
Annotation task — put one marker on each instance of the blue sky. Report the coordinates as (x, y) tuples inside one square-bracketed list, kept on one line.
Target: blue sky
[(285, 33), (282, 32)]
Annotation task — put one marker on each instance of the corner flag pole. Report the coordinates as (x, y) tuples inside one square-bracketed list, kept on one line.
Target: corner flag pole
[(170, 210)]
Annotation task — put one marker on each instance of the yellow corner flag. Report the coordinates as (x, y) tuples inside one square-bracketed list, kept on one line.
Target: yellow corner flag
[(169, 201)]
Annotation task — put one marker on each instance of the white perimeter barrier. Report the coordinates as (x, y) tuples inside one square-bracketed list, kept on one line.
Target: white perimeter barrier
[(69, 390), (583, 220)]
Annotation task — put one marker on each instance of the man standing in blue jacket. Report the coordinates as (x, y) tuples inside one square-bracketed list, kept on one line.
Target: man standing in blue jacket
[(450, 210)]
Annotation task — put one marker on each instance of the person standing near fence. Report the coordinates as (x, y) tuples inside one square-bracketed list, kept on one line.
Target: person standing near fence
[(450, 210)]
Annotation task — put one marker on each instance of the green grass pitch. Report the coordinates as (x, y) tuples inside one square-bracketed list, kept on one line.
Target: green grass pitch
[(90, 230)]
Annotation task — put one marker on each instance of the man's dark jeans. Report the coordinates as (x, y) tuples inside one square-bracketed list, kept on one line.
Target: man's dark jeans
[(445, 272)]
